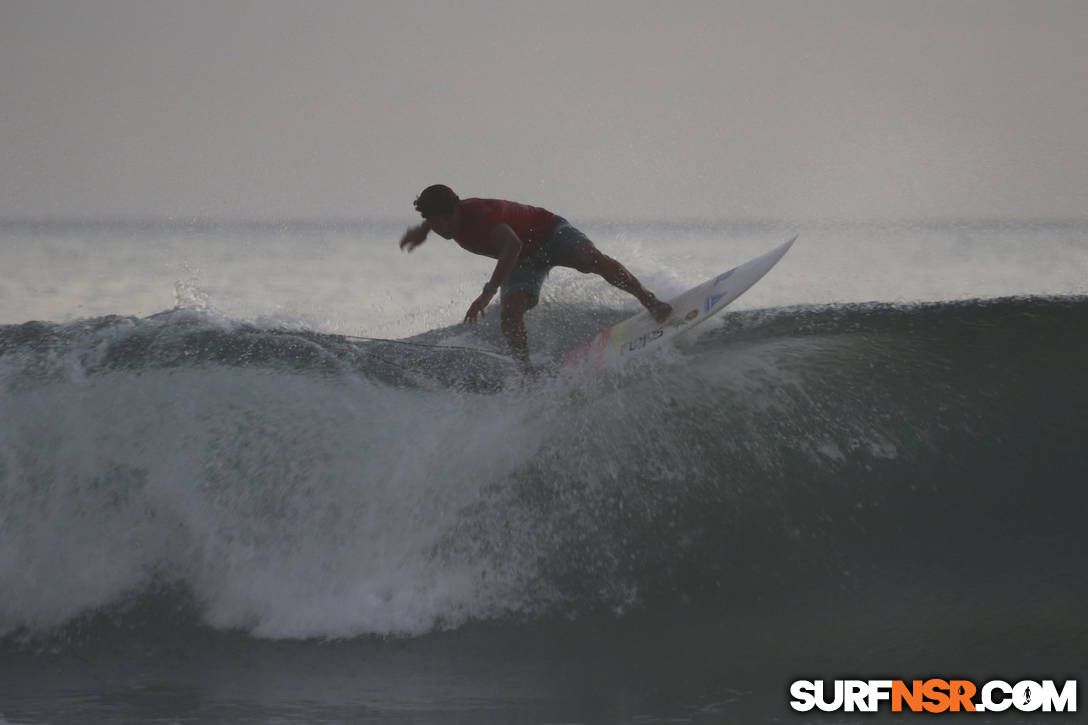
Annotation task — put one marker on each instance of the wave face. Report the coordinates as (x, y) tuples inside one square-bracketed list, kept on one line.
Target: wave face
[(296, 484)]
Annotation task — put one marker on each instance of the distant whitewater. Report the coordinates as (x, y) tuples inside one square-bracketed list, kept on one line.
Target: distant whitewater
[(289, 483)]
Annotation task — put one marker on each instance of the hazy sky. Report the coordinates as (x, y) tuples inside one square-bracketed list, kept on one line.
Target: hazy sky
[(613, 109)]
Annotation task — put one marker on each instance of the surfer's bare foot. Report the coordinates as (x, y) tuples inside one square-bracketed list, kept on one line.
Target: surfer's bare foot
[(659, 310)]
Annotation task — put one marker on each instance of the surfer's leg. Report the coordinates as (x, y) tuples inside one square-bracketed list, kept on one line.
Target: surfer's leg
[(520, 292), (585, 257), (514, 306)]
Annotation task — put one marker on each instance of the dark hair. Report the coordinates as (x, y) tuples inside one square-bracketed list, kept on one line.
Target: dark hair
[(437, 200)]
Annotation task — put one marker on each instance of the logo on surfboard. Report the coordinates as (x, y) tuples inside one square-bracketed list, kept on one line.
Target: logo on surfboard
[(677, 322), (723, 276), (642, 341)]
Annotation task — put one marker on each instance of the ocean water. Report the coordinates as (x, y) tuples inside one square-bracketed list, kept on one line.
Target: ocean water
[(259, 473)]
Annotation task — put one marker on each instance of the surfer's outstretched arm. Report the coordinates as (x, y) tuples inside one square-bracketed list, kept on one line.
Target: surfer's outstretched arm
[(507, 245), (415, 236)]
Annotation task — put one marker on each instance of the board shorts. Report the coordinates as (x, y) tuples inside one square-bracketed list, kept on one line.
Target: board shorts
[(557, 251)]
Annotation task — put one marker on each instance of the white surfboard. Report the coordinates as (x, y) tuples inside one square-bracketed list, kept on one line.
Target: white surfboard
[(690, 309)]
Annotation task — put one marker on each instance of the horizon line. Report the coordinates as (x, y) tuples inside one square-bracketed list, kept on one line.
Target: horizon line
[(182, 222)]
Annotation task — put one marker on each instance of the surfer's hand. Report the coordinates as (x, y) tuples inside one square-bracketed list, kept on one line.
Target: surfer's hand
[(414, 237), (479, 307)]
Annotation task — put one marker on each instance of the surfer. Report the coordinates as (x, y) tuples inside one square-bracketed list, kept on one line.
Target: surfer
[(527, 241)]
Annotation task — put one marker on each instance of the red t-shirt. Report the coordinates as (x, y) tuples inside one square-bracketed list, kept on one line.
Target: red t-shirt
[(532, 224)]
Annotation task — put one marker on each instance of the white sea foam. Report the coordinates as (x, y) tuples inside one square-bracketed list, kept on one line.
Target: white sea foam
[(291, 506)]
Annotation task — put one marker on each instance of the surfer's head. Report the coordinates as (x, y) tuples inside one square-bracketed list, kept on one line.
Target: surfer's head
[(439, 205)]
